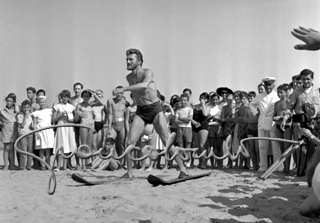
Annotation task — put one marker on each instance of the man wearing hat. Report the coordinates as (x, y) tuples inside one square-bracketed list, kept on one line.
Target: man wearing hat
[(265, 103)]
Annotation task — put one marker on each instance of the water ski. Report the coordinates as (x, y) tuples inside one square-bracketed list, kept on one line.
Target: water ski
[(156, 181), (89, 179)]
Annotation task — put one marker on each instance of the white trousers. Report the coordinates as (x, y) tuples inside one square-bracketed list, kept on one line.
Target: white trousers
[(264, 146)]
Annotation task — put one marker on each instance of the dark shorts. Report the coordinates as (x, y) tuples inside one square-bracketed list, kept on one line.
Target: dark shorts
[(148, 112), (215, 131), (252, 132), (98, 126)]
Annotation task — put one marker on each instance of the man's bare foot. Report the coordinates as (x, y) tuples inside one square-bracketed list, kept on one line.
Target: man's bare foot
[(127, 176), (5, 168)]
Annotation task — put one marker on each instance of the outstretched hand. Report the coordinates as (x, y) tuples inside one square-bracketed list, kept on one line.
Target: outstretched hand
[(310, 37)]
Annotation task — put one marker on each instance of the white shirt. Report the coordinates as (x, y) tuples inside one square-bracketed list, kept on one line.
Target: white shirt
[(265, 102), (184, 113)]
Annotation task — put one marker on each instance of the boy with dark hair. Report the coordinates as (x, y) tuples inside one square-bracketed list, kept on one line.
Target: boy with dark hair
[(283, 131), (242, 113), (107, 164), (184, 119), (251, 95)]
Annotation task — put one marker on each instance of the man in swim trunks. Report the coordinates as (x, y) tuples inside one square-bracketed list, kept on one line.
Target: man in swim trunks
[(149, 110), (116, 108), (76, 99)]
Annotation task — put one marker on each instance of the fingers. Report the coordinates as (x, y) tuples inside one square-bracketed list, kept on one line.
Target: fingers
[(301, 31), (300, 47), (304, 29), (313, 30)]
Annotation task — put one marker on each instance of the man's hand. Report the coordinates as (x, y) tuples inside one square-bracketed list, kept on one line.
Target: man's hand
[(276, 118), (306, 132), (310, 36)]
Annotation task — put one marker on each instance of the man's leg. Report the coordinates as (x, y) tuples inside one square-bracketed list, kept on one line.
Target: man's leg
[(160, 125), (136, 129)]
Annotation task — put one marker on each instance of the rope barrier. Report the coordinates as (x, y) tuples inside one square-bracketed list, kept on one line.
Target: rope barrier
[(149, 151)]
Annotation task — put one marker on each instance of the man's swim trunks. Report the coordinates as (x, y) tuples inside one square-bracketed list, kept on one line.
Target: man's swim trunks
[(148, 112)]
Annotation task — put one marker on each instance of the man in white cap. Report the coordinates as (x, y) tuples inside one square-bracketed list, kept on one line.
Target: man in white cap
[(265, 104)]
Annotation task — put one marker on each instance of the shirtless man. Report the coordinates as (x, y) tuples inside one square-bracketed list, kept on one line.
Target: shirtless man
[(116, 108), (75, 100), (32, 96), (149, 110)]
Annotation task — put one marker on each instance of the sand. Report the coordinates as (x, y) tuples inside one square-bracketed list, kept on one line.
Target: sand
[(225, 196)]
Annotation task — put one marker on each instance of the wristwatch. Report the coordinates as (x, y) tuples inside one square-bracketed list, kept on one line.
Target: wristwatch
[(312, 137)]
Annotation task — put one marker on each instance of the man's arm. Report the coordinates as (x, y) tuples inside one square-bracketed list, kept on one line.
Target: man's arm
[(148, 79), (310, 37)]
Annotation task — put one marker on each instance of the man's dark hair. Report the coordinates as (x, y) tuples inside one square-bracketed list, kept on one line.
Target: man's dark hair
[(184, 96), (306, 72), (136, 52), (31, 89), (187, 89), (243, 94), (78, 83), (252, 94), (291, 85), (286, 87), (41, 91)]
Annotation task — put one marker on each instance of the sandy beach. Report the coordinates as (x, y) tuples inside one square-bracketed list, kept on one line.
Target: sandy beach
[(227, 195)]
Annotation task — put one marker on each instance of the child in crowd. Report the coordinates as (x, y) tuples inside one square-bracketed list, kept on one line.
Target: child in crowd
[(63, 113), (99, 114), (128, 118), (215, 136), (283, 127), (253, 145), (24, 121), (9, 132), (242, 130), (84, 112), (251, 96), (176, 105), (227, 115), (45, 138), (108, 164), (184, 119)]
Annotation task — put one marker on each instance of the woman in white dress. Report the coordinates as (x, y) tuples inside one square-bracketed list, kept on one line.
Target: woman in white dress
[(63, 113), (44, 139)]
